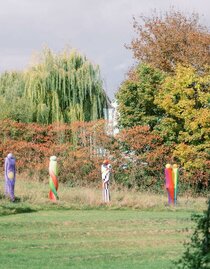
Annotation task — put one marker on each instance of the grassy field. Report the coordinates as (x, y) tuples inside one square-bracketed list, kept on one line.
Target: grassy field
[(80, 232)]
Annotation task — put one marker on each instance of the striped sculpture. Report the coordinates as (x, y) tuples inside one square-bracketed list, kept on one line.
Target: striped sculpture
[(106, 172), (175, 180), (169, 184), (53, 179)]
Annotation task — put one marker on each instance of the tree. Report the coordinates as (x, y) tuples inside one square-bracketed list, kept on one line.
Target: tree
[(136, 97), (169, 90), (185, 97), (13, 103), (165, 40), (65, 87)]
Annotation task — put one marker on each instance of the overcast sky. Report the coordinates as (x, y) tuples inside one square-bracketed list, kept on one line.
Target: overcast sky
[(97, 28)]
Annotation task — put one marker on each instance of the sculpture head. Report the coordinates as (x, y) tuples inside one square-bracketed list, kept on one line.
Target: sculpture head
[(168, 165), (106, 162), (10, 156), (175, 165), (53, 158)]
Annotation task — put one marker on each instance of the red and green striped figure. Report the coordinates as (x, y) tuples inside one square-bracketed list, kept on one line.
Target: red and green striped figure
[(175, 180), (53, 179), (169, 183)]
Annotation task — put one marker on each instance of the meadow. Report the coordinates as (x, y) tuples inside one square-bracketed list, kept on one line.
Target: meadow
[(136, 230)]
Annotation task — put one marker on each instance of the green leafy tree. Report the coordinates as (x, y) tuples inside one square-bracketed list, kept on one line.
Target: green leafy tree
[(185, 98), (13, 103), (136, 97), (65, 87)]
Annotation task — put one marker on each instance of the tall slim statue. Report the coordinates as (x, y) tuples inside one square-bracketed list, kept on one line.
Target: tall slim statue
[(106, 172), (175, 180), (53, 171), (10, 176), (169, 184)]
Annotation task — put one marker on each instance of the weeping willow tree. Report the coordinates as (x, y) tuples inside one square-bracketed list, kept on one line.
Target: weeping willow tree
[(65, 87), (13, 103)]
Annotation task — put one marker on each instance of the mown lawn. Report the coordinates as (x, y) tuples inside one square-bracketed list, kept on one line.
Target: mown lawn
[(95, 238)]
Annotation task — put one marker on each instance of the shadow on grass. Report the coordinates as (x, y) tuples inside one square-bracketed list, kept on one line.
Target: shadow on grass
[(16, 207), (6, 210), (2, 196)]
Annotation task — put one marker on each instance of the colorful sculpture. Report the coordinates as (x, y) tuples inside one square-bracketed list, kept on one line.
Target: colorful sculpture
[(175, 180), (53, 179), (106, 172), (169, 184), (10, 176)]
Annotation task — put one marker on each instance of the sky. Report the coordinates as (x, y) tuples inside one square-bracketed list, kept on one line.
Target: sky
[(99, 29)]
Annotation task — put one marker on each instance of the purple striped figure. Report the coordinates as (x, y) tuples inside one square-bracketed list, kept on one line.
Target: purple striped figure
[(10, 176)]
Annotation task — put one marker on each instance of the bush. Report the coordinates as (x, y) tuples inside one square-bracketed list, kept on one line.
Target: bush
[(197, 253)]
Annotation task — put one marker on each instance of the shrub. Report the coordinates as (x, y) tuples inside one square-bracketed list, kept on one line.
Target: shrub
[(197, 253)]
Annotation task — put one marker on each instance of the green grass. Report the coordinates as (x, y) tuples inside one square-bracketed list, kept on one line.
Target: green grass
[(92, 239), (137, 230)]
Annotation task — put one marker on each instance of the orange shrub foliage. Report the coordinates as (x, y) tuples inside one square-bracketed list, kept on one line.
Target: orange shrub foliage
[(138, 157), (146, 157), (74, 145), (140, 138)]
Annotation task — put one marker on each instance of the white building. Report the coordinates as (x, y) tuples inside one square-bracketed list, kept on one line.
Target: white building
[(111, 115)]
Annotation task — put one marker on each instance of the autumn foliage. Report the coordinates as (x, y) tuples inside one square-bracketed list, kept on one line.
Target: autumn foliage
[(80, 148), (171, 38), (169, 91), (33, 144)]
